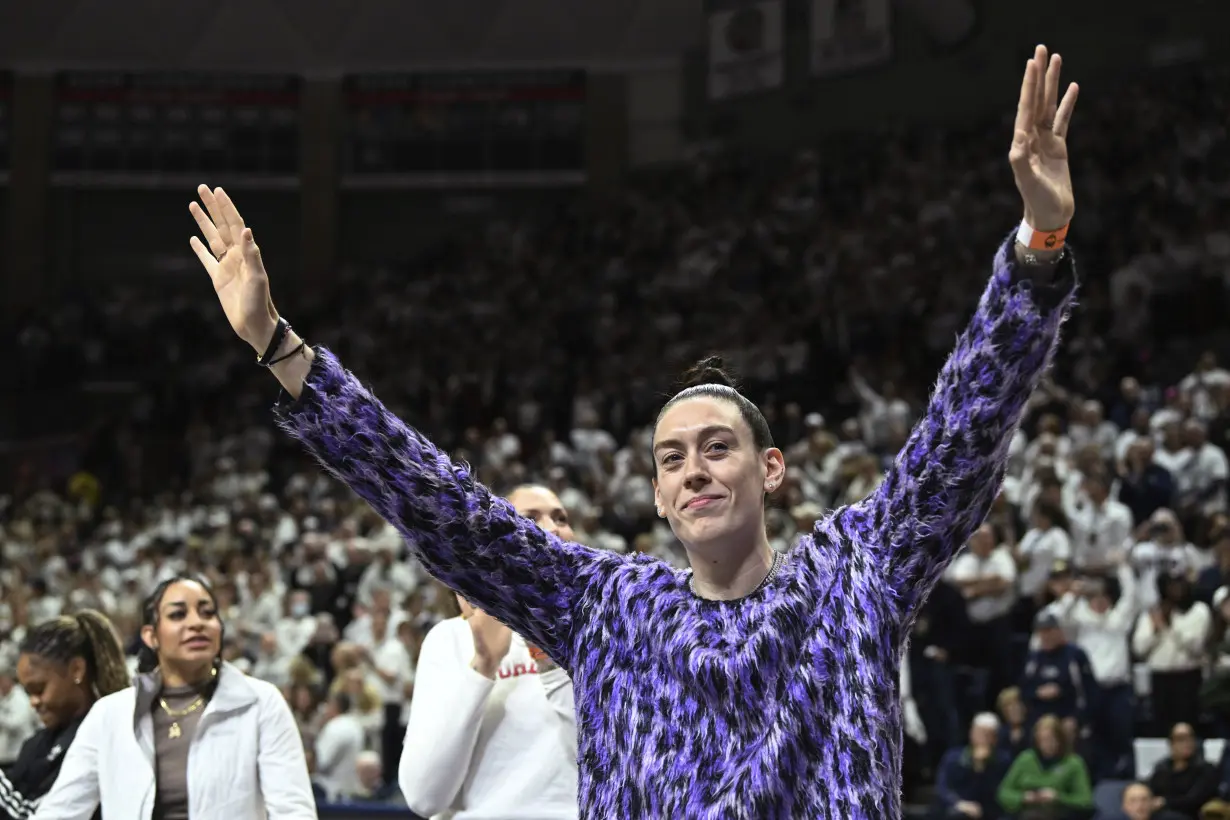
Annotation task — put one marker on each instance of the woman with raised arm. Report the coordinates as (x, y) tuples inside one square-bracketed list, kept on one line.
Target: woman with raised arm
[(752, 685), (193, 738), (65, 665), (492, 729)]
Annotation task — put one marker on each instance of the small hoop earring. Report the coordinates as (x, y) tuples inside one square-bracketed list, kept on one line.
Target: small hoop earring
[(660, 513)]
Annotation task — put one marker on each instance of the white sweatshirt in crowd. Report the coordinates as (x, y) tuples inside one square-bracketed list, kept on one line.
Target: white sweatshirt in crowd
[(338, 747), (481, 749), (1103, 635), (1180, 647)]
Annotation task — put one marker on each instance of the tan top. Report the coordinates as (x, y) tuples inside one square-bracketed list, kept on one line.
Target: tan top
[(173, 733)]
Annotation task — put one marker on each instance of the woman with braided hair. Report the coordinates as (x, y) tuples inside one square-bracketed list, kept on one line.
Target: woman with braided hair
[(753, 685), (65, 666)]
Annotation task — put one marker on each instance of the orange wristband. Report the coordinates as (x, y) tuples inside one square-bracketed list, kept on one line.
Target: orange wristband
[(1041, 240)]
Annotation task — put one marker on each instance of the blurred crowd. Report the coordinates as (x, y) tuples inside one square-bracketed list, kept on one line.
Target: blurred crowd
[(1089, 611)]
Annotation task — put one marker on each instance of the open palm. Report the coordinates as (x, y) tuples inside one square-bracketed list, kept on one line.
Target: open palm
[(233, 262), (1039, 153)]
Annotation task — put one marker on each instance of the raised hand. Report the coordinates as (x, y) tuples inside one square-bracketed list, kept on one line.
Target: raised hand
[(233, 262), (1039, 154), (492, 640)]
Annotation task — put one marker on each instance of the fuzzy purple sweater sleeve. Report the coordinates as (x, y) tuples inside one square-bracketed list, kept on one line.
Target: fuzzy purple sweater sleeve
[(464, 535), (780, 706), (944, 480)]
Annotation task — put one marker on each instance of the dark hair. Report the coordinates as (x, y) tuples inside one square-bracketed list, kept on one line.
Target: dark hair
[(1098, 476), (1165, 579), (88, 635), (1054, 513), (147, 658), (708, 378)]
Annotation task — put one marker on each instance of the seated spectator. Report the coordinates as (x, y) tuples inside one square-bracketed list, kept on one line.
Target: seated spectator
[(969, 776), (1013, 732), (1183, 782), (372, 786), (1137, 804), (1048, 781)]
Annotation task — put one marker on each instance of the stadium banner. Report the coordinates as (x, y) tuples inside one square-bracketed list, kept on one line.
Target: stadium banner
[(745, 47), (848, 35)]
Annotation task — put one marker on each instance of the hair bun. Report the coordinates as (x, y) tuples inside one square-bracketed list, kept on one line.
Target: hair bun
[(707, 371)]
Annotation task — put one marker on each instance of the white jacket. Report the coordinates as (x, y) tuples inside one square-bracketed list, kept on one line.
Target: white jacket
[(246, 760)]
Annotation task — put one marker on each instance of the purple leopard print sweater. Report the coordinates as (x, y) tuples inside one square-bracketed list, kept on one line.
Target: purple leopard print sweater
[(781, 705)]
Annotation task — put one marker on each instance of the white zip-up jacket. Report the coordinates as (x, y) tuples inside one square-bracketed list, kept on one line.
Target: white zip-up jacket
[(246, 759)]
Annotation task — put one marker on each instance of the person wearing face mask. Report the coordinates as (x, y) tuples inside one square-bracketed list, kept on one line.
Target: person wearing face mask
[(492, 728), (65, 666), (131, 756), (295, 630)]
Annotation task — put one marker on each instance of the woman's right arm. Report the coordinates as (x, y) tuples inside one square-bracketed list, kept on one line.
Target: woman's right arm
[(446, 713), (75, 794), (468, 538)]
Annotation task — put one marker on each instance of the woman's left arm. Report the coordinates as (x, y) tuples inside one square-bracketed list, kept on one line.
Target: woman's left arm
[(281, 764), (944, 480)]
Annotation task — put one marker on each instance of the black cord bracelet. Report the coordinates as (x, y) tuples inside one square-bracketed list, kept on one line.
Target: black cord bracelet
[(279, 336), (302, 344)]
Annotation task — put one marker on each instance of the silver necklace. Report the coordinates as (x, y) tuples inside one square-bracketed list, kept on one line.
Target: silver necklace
[(773, 567)]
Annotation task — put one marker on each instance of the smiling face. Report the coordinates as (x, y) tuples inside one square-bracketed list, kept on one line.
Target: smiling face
[(187, 633), (711, 477)]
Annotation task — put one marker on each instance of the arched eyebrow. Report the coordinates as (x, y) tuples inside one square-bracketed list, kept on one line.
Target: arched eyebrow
[(704, 432)]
